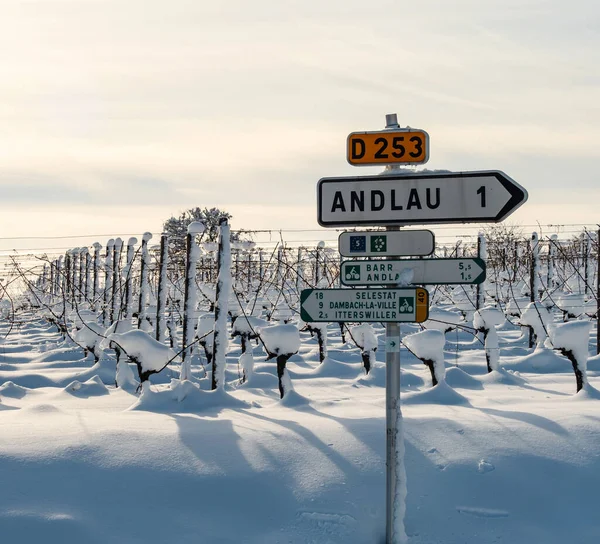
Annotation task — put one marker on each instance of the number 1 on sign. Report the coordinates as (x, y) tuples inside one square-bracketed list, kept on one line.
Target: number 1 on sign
[(481, 191)]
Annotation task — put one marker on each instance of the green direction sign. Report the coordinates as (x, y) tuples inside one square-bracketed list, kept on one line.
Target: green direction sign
[(413, 271), (409, 305)]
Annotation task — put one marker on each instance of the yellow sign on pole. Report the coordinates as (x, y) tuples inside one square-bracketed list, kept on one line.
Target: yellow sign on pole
[(422, 306), (409, 146)]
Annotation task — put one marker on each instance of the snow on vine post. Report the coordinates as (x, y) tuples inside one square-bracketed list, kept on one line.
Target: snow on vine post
[(551, 283), (108, 272), (534, 276), (281, 342), (51, 281), (428, 347), (482, 254), (73, 270), (364, 336), (571, 340), (535, 268), (539, 319), (74, 253), (485, 321), (116, 276), (189, 304), (319, 249), (128, 274), (58, 275), (586, 261), (88, 275), (299, 273), (83, 251), (261, 264), (95, 274), (161, 297), (144, 265), (67, 277), (80, 272), (221, 306)]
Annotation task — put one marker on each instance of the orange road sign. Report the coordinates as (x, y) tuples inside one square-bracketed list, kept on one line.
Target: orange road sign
[(388, 147)]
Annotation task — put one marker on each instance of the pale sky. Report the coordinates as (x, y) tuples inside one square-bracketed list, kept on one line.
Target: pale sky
[(116, 114)]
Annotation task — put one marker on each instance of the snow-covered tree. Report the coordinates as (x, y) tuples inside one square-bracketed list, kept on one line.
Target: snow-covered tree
[(176, 229)]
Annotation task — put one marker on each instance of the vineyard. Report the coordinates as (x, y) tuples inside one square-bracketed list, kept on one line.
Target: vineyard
[(125, 359)]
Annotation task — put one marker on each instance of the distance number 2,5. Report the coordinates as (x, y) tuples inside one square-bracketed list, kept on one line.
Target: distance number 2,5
[(398, 147)]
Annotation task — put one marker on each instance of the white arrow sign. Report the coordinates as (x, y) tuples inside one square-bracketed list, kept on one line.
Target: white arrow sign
[(459, 197), (399, 243), (413, 271), (409, 305)]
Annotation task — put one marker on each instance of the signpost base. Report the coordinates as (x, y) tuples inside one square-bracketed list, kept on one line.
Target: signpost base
[(392, 398)]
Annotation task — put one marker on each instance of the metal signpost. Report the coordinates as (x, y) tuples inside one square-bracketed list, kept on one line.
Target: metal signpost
[(392, 200), (396, 146), (416, 199), (413, 271), (410, 305), (383, 243)]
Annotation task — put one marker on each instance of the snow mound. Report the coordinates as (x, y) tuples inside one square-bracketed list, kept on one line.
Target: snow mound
[(293, 399), (442, 393), (91, 388), (186, 396), (376, 377), (456, 377), (485, 466), (330, 368), (13, 391), (545, 361), (502, 377), (588, 392), (260, 380)]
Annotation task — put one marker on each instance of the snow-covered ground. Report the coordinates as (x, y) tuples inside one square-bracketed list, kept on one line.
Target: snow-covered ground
[(509, 457)]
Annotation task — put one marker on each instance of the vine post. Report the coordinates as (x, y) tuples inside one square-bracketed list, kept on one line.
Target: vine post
[(108, 273), (161, 298), (144, 265), (221, 306), (189, 303)]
